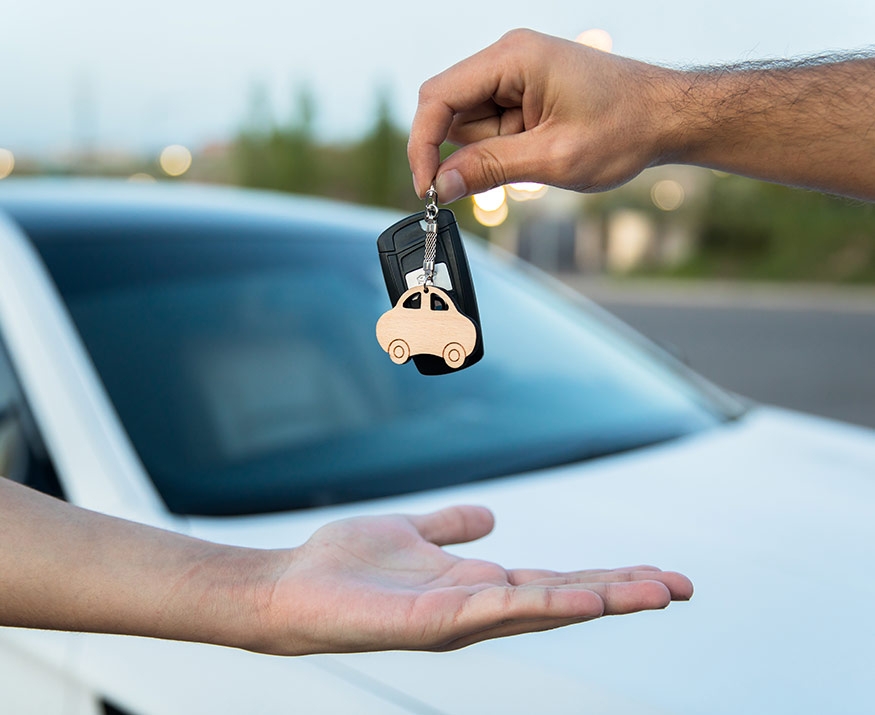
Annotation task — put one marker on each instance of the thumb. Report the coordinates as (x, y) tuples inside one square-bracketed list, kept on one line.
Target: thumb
[(492, 162), (454, 525)]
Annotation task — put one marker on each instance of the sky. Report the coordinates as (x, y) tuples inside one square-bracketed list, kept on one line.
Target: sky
[(136, 76)]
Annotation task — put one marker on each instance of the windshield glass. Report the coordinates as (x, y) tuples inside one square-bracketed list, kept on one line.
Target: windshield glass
[(243, 364)]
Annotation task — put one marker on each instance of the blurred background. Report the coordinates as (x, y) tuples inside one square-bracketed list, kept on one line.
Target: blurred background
[(767, 290)]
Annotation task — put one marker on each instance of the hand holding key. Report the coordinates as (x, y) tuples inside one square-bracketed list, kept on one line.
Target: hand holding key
[(537, 108)]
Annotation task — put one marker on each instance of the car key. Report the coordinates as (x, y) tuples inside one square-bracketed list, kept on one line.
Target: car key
[(426, 250)]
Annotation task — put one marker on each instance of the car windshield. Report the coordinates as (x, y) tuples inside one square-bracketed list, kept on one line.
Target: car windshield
[(243, 363)]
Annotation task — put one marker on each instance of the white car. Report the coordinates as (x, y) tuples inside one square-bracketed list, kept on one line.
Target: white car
[(204, 360)]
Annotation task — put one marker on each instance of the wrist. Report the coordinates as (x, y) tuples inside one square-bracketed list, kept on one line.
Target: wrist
[(223, 597), (243, 590), (652, 126), (680, 121)]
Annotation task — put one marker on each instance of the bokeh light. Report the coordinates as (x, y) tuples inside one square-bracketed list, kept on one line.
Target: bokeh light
[(490, 200), (598, 39), (175, 160), (493, 218), (7, 162), (526, 191), (667, 194)]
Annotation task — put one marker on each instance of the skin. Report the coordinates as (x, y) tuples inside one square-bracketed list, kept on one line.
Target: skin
[(537, 108), (370, 583)]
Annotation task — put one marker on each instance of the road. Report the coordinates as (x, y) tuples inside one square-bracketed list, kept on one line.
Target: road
[(806, 348)]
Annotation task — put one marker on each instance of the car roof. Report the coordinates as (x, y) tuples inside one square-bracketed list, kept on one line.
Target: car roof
[(76, 203)]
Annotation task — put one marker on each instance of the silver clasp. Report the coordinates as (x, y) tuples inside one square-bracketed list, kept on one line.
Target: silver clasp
[(431, 231)]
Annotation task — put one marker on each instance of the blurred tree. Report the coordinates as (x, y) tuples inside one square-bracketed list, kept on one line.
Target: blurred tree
[(253, 165), (259, 117), (295, 147), (372, 170), (753, 229), (274, 157), (384, 175)]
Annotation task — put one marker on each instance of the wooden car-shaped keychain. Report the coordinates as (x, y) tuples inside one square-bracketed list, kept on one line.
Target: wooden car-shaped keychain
[(426, 321)]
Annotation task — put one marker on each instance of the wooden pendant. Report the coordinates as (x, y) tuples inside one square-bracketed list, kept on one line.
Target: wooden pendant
[(426, 321)]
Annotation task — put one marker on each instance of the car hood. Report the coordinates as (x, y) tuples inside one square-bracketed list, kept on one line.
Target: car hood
[(773, 518)]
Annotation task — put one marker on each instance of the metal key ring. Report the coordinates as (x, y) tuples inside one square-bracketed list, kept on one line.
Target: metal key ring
[(431, 209)]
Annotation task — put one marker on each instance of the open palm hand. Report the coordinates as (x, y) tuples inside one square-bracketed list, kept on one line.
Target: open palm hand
[(384, 583)]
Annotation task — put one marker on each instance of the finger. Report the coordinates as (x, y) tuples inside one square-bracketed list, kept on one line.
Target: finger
[(431, 123), (501, 612), (433, 118), (680, 587), (454, 525), (505, 605), (616, 599), (465, 86), (520, 577), (484, 123), (496, 161), (633, 596), (510, 629)]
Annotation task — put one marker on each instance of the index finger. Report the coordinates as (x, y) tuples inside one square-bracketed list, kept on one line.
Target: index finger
[(464, 86)]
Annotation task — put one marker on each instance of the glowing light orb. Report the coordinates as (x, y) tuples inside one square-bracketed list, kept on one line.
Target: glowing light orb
[(491, 200), (526, 191), (7, 162), (598, 39), (175, 160), (667, 194), (491, 218)]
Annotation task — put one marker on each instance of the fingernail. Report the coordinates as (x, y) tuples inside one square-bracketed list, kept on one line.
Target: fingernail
[(450, 186)]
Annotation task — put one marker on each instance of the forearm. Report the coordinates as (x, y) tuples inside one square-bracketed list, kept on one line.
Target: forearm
[(810, 125), (67, 568)]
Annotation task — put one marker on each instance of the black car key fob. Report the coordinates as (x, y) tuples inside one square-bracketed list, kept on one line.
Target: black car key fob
[(402, 251)]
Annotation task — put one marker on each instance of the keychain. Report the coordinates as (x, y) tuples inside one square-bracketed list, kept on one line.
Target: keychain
[(435, 319)]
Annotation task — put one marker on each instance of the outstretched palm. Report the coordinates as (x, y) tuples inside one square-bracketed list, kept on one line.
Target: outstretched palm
[(388, 584)]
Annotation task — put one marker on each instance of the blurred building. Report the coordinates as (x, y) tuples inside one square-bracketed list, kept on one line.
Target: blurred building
[(652, 222)]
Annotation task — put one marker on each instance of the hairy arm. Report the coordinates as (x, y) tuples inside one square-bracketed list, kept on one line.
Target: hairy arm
[(809, 123), (537, 108), (371, 583)]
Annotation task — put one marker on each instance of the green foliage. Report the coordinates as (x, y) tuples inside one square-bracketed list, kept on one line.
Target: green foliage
[(285, 158), (380, 160), (756, 230), (373, 170)]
